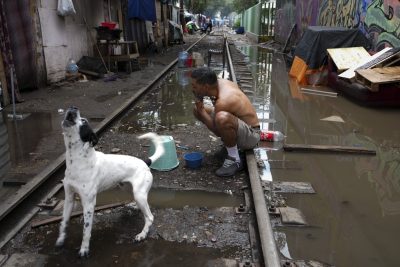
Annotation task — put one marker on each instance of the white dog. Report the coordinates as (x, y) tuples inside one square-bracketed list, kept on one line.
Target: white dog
[(89, 172)]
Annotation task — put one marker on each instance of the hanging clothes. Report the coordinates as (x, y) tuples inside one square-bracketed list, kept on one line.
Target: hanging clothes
[(142, 9), (6, 51)]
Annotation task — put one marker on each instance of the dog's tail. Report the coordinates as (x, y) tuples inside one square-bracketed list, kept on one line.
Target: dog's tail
[(158, 145)]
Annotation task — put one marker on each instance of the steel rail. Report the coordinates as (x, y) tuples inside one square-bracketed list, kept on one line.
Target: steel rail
[(268, 245), (27, 189)]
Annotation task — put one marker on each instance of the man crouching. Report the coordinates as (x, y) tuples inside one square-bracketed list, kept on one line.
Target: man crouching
[(232, 117)]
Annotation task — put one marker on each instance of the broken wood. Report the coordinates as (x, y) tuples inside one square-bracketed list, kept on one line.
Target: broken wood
[(318, 92), (293, 187), (373, 78), (328, 148), (36, 224)]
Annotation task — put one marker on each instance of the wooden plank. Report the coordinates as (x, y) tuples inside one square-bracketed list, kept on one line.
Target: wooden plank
[(350, 74), (328, 148), (318, 92), (75, 214), (293, 187), (345, 58), (381, 75), (372, 78)]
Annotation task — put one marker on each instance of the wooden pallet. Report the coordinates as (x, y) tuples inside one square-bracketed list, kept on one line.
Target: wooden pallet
[(373, 78)]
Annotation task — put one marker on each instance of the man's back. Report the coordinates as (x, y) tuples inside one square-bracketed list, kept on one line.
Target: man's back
[(234, 101)]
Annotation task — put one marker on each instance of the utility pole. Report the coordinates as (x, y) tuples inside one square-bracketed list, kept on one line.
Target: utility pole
[(182, 15)]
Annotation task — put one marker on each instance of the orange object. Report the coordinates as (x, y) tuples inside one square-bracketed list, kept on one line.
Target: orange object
[(298, 69)]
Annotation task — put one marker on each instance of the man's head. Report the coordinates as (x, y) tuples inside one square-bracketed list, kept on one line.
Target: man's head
[(204, 75), (203, 79)]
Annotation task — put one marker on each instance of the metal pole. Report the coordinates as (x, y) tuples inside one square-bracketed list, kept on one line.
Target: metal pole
[(13, 92), (269, 249)]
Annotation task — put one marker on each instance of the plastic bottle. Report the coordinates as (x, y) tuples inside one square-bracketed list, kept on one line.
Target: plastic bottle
[(271, 136), (182, 58), (72, 67)]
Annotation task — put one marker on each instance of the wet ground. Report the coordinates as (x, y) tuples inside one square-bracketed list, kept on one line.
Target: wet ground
[(196, 212), (351, 220)]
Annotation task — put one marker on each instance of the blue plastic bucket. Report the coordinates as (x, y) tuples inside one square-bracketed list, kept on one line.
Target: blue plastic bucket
[(169, 160), (193, 160)]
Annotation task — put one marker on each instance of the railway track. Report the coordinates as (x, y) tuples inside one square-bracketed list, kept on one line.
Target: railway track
[(254, 198)]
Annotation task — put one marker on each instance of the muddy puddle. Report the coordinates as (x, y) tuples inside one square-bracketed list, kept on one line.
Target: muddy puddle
[(167, 198), (167, 107)]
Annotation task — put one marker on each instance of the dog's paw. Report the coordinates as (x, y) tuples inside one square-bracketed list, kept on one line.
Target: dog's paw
[(84, 253), (140, 237)]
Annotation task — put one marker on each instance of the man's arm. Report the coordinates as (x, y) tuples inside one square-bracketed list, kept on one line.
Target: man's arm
[(203, 114)]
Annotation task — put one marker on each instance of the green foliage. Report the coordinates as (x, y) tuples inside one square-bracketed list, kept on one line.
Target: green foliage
[(241, 5), (236, 24), (209, 7)]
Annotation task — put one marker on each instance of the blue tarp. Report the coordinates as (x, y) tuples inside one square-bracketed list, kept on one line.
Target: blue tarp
[(142, 9)]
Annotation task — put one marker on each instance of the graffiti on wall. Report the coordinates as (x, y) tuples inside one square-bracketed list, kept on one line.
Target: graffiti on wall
[(382, 21), (284, 21), (339, 13), (379, 20), (307, 13)]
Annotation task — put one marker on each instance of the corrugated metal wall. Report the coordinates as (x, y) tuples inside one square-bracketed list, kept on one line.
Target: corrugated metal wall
[(5, 163)]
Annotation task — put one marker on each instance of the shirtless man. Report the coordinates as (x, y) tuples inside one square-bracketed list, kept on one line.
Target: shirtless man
[(233, 117)]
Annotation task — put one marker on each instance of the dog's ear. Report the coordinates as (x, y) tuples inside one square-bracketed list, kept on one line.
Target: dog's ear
[(86, 133), (93, 139)]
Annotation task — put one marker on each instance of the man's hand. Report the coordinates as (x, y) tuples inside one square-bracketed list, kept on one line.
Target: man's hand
[(199, 105)]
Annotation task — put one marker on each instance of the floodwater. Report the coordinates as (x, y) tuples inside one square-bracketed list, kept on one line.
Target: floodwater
[(354, 216)]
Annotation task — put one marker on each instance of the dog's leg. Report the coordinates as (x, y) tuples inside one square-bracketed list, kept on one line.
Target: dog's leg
[(68, 205), (140, 194), (88, 203)]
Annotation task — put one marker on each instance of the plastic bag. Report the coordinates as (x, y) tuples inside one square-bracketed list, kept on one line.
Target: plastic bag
[(65, 8), (72, 67)]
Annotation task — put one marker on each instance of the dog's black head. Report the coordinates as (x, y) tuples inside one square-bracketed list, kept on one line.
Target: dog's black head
[(74, 124)]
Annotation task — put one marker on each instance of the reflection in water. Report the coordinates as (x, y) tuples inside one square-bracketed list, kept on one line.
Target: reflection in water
[(169, 107), (356, 211), (167, 198), (24, 135)]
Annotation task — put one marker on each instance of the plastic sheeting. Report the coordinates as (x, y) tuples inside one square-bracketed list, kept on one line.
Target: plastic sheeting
[(312, 46), (142, 9)]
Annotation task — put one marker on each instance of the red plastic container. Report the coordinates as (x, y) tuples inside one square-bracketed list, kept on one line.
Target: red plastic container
[(189, 61), (109, 24)]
